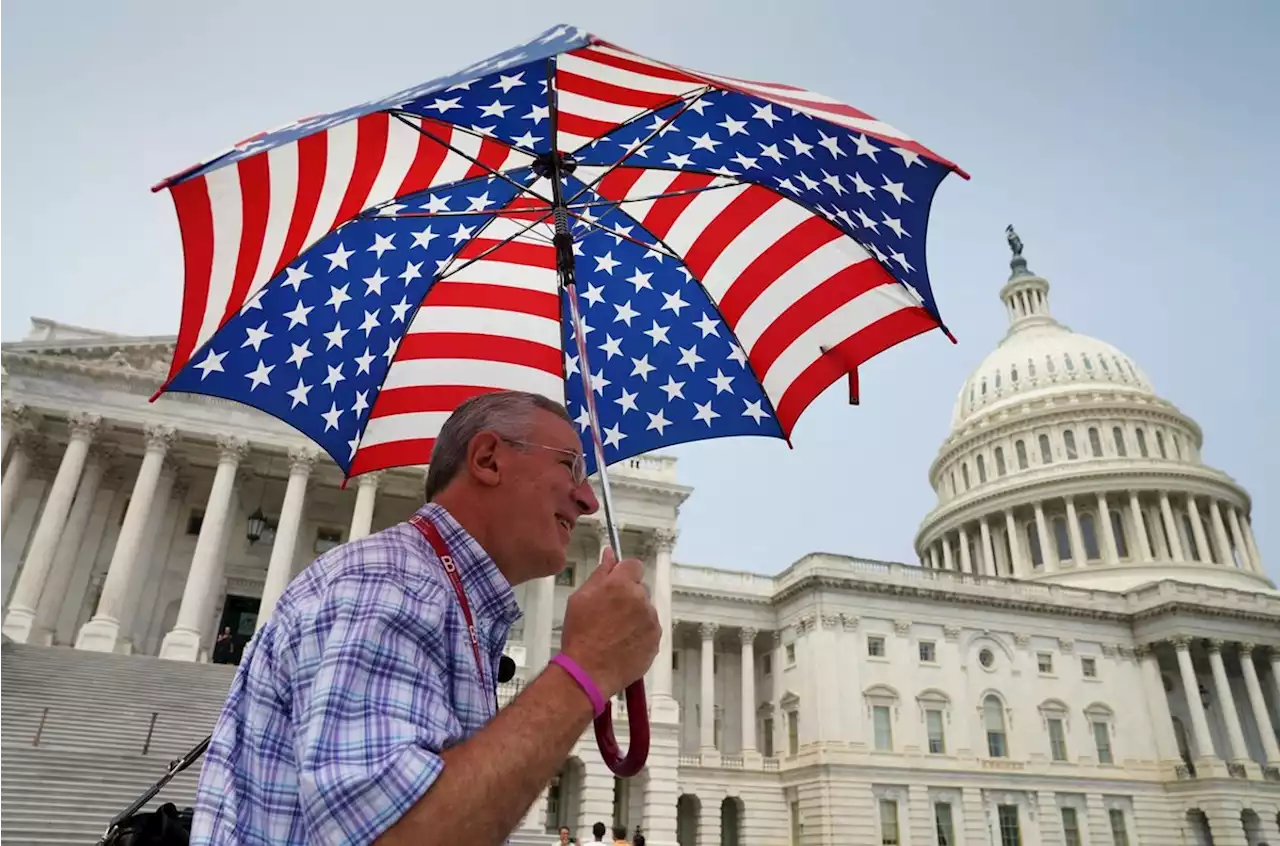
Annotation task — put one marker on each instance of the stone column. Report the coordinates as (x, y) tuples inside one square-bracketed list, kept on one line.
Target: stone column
[(1191, 687), (966, 561), (1110, 552), (779, 690), (1237, 539), (280, 567), (1258, 703), (1017, 562), (167, 530), (13, 416), (366, 498), (988, 550), (748, 637), (1197, 531), (15, 474), (1275, 671), (1171, 529), (1158, 704), (664, 542), (149, 550), (183, 642), (1139, 527), (21, 618), (1079, 556), (1220, 541), (933, 556), (1239, 752), (707, 724), (1048, 550), (1246, 528), (64, 557), (947, 562), (102, 633)]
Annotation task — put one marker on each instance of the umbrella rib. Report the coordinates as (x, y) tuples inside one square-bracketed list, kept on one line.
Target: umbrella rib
[(454, 270), (689, 99), (636, 241), (662, 196), (475, 161), (497, 213)]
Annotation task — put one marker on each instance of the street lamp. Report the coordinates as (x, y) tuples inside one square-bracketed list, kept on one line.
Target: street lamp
[(257, 525)]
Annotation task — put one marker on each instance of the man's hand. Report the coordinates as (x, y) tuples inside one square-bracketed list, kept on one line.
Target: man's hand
[(611, 628)]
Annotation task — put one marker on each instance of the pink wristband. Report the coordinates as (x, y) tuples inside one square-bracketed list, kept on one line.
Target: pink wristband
[(584, 681)]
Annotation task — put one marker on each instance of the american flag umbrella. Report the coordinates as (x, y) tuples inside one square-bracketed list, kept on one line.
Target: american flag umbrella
[(672, 254)]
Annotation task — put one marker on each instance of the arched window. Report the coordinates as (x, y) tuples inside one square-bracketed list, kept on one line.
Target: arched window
[(1021, 449), (997, 380), (1013, 373), (1117, 529), (1071, 367), (1088, 363), (999, 461), (982, 470), (1031, 368), (1069, 441), (1142, 442), (993, 722), (984, 386), (1095, 442), (953, 483), (1062, 539), (1046, 454), (1048, 363), (1103, 361), (1118, 434), (1090, 536), (1033, 544), (964, 474)]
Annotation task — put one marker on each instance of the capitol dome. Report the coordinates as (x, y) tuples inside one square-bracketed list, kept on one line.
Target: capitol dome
[(1063, 464)]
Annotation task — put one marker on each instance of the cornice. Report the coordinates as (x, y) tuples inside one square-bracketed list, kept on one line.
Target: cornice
[(1083, 477)]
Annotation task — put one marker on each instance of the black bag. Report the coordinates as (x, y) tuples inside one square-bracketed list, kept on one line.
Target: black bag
[(165, 826)]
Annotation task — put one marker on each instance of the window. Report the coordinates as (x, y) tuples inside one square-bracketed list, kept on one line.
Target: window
[(1057, 739), (1118, 434), (1088, 364), (1010, 834), (928, 652), (937, 734), (1069, 441), (793, 732), (1089, 667), (1033, 543), (882, 718), (982, 470), (875, 646), (986, 658), (1045, 661), (675, 660), (1160, 444), (943, 822), (1142, 442), (766, 735), (1031, 368), (1000, 461), (766, 664), (1177, 447), (1062, 539), (1046, 454), (993, 720), (565, 576), (1048, 364), (1119, 834), (1070, 365), (327, 539), (1013, 373), (1117, 529), (791, 654), (1090, 535), (1071, 827), (889, 823), (1102, 739), (1095, 442), (964, 473), (953, 482), (1020, 447), (194, 521)]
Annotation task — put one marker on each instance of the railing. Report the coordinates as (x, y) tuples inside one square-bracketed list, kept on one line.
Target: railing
[(44, 716), (689, 760), (770, 765), (151, 730), (731, 762), (1002, 764)]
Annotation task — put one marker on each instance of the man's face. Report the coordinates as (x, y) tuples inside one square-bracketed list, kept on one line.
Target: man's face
[(542, 502), (564, 835)]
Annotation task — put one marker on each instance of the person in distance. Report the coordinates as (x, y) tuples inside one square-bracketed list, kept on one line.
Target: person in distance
[(365, 712)]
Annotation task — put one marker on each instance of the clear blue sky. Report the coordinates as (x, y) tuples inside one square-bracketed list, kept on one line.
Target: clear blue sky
[(1131, 143)]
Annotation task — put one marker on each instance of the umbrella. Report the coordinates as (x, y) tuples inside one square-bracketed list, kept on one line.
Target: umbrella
[(674, 255)]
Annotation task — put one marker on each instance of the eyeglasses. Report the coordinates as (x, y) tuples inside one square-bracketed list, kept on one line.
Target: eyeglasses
[(579, 468)]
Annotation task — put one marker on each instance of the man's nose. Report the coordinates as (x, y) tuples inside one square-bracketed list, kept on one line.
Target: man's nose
[(585, 497)]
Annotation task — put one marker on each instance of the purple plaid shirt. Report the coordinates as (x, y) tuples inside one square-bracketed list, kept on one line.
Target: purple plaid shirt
[(335, 720)]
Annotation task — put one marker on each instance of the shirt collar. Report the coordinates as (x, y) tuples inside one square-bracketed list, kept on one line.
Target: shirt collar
[(488, 591)]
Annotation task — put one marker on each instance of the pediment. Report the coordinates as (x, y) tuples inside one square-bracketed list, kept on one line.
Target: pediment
[(136, 356)]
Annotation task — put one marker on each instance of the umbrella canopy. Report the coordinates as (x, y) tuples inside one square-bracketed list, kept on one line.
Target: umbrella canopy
[(732, 249)]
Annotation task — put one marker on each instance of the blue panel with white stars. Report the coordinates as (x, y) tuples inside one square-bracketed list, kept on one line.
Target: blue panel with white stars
[(665, 368), (314, 346), (876, 193)]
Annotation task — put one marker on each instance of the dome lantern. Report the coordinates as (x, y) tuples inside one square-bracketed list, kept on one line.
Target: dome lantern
[(1025, 295)]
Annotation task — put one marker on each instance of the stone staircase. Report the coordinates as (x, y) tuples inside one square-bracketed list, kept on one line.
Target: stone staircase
[(82, 734)]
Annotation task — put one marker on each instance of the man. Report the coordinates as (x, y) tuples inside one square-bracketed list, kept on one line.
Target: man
[(364, 711), (598, 832), (564, 840)]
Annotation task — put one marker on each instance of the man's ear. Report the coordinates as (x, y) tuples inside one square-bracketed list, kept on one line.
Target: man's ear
[(482, 458)]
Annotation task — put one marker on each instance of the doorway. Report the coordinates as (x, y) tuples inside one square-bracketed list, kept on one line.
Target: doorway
[(240, 616)]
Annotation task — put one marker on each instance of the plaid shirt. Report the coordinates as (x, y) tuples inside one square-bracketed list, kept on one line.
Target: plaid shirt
[(335, 720)]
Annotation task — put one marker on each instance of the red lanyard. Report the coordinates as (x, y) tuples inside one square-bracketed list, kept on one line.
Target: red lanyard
[(429, 531)]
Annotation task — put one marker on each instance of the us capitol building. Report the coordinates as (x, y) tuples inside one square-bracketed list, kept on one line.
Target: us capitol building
[(1086, 652)]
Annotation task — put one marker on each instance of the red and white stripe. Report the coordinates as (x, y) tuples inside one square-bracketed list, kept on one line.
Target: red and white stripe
[(598, 88), (494, 325), (789, 96), (787, 282), (241, 224)]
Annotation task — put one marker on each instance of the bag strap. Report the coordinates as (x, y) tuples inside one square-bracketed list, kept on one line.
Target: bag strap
[(175, 766)]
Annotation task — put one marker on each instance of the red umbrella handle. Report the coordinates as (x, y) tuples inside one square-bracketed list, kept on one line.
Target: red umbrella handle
[(638, 720)]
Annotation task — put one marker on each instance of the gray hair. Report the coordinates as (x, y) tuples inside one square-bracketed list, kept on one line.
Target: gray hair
[(509, 413)]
